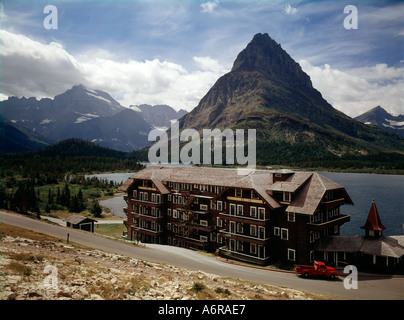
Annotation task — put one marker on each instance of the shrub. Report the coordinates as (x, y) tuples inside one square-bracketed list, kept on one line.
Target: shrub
[(20, 268), (198, 286)]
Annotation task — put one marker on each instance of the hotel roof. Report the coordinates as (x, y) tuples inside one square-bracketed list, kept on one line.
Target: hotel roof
[(311, 185)]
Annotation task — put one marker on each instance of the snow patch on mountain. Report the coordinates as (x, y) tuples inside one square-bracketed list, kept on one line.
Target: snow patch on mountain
[(99, 97)]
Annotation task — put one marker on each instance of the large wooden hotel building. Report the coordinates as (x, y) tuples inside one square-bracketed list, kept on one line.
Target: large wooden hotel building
[(261, 216)]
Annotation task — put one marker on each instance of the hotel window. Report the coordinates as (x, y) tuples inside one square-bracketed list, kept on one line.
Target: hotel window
[(158, 198), (253, 230), (261, 213), (219, 205), (287, 196), (253, 248), (238, 193), (212, 205), (291, 254), (140, 195), (213, 237), (336, 230), (311, 236), (145, 196), (240, 210), (329, 195), (240, 246), (203, 223), (311, 256), (284, 234), (253, 212), (232, 209), (153, 197), (169, 197), (175, 214), (240, 228), (261, 231), (203, 238), (168, 226), (134, 194), (253, 195), (219, 222), (203, 207), (232, 227), (291, 216), (169, 212), (277, 231)]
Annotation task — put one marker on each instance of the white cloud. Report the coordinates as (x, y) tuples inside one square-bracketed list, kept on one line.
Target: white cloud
[(290, 10), (209, 6), (209, 64), (361, 89), (31, 68)]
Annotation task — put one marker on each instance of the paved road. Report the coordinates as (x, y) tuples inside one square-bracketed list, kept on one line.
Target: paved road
[(384, 288)]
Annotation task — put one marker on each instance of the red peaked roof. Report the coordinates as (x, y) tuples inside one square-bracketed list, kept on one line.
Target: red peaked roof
[(373, 222)]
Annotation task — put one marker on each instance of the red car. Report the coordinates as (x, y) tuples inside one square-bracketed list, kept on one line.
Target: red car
[(318, 269)]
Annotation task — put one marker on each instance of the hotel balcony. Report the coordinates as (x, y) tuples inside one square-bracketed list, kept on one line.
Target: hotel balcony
[(319, 226), (237, 255), (146, 203), (191, 242), (148, 217), (262, 240), (147, 231), (333, 203), (243, 219)]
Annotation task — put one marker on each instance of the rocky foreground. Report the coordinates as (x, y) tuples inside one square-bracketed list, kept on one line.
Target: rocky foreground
[(35, 266)]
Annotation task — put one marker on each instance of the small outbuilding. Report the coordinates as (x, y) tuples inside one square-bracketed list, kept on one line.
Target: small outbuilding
[(80, 222)]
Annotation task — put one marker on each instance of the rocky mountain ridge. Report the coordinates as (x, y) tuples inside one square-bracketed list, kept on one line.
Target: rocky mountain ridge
[(384, 120), (87, 114), (267, 90)]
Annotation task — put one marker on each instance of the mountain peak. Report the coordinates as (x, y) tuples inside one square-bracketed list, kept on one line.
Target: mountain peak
[(265, 55)]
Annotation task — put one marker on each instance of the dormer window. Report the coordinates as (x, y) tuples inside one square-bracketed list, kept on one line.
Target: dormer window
[(287, 196)]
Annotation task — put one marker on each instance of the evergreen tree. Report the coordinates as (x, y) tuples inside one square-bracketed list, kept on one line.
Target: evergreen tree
[(80, 200), (96, 209)]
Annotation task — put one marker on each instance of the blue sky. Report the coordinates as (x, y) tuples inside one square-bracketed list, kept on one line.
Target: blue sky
[(172, 52)]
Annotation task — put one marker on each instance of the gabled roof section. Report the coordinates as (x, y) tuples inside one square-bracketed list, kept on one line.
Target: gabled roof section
[(292, 183), (160, 186), (373, 221), (76, 219), (312, 192), (125, 186)]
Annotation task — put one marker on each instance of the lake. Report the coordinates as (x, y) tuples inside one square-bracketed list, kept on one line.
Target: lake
[(386, 190)]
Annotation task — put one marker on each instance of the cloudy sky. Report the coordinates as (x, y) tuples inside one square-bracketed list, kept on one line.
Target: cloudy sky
[(172, 52)]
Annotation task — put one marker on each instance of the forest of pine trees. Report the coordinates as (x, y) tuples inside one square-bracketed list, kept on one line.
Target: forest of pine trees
[(35, 195)]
